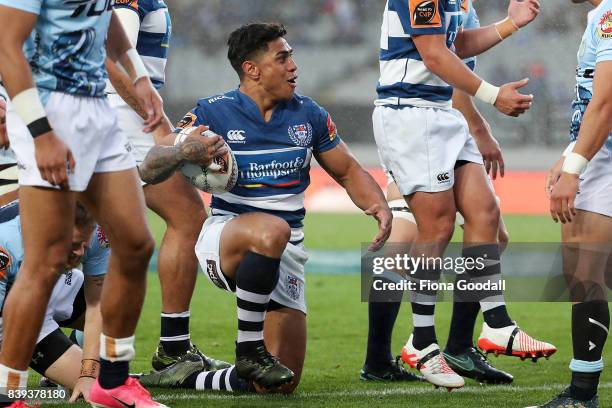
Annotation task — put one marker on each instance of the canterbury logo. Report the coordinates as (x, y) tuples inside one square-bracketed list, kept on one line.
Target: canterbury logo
[(443, 177), (236, 136)]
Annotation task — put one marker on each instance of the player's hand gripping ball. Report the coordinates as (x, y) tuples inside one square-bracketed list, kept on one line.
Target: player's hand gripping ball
[(220, 176)]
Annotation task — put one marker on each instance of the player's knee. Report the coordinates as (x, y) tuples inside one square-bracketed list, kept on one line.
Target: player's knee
[(272, 238), (486, 216), (136, 247), (439, 231), (48, 266)]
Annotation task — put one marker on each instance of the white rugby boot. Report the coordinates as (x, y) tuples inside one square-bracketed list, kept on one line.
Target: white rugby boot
[(512, 341), (431, 363)]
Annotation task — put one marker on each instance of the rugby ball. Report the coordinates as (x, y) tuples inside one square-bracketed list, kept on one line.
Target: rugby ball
[(220, 176)]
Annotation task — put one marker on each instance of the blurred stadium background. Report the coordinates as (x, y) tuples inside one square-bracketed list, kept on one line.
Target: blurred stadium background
[(336, 46)]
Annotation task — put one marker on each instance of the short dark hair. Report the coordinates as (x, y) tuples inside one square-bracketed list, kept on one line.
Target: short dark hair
[(246, 41), (83, 218)]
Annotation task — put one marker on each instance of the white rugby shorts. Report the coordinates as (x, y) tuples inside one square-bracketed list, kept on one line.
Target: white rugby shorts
[(60, 306), (88, 126), (420, 146), (595, 189), (290, 290), (132, 124)]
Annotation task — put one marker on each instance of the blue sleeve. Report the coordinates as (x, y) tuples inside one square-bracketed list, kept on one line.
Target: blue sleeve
[(95, 260), (194, 117), (420, 17), (325, 132), (31, 6), (132, 5)]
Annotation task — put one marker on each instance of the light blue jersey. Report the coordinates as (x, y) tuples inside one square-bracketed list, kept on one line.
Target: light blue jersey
[(470, 21), (66, 50), (404, 78), (95, 260), (596, 47), (153, 35)]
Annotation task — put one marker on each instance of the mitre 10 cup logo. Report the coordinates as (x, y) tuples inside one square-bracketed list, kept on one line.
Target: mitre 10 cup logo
[(604, 28), (424, 13)]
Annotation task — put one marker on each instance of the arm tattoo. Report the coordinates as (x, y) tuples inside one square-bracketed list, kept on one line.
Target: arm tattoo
[(160, 163)]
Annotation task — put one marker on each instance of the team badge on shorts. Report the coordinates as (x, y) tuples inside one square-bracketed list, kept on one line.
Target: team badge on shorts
[(211, 270), (294, 287), (301, 135)]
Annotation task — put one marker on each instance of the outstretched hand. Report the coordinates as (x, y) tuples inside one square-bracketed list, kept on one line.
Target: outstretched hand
[(384, 217)]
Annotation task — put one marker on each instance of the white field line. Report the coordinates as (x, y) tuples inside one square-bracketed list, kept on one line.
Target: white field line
[(400, 390)]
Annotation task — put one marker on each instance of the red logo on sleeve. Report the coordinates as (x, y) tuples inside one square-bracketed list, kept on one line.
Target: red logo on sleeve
[(331, 128)]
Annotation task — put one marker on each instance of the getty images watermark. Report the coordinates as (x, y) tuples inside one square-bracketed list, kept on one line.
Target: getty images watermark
[(529, 272)]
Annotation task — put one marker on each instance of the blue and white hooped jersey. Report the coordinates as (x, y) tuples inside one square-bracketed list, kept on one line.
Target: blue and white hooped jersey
[(273, 157), (596, 47), (153, 35), (404, 78), (67, 50)]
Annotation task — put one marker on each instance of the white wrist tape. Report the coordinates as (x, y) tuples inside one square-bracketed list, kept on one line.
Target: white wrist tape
[(569, 149), (28, 106), (139, 69), (574, 164), (487, 93)]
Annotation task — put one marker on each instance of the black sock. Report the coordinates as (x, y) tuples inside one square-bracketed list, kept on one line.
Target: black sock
[(497, 317), (381, 319), (256, 277), (584, 385), (461, 333), (174, 333), (113, 375), (590, 326)]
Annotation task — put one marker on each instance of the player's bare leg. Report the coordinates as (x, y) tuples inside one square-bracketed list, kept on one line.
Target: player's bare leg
[(435, 217), (586, 263), (47, 217), (117, 202), (285, 334), (182, 208), (476, 201), (250, 249)]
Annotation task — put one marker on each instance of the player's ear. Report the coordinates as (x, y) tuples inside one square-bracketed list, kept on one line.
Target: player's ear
[(251, 70)]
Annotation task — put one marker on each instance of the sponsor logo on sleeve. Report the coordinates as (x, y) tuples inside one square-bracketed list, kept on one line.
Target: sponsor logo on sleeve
[(331, 128), (5, 262), (187, 121), (604, 28), (102, 238), (424, 14)]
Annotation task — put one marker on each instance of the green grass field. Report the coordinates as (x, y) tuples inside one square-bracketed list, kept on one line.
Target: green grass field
[(337, 328)]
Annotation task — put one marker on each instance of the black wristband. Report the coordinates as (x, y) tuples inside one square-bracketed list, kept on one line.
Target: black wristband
[(39, 127)]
